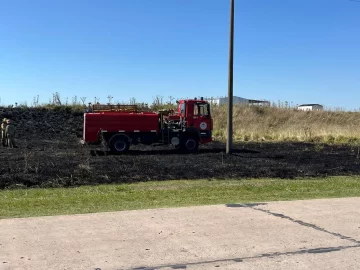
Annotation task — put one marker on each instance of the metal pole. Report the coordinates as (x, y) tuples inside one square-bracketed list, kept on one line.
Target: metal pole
[(230, 82)]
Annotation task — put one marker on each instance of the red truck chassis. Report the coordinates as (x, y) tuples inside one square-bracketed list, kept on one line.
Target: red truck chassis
[(120, 126)]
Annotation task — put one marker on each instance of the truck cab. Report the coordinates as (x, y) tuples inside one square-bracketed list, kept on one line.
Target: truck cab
[(196, 116)]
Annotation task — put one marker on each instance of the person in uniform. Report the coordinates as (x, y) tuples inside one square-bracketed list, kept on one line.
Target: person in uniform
[(3, 137), (10, 132)]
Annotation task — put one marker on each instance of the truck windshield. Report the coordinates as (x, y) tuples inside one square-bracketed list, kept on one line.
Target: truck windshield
[(182, 108)]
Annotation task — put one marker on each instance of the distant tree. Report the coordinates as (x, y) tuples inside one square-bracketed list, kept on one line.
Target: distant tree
[(171, 98), (36, 101), (56, 99), (133, 101), (74, 100), (158, 100), (83, 99), (109, 97)]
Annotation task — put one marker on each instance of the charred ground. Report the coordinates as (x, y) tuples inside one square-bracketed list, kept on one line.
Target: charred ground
[(49, 156)]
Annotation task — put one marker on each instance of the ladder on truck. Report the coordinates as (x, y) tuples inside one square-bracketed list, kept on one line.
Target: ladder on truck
[(114, 108), (165, 132), (165, 136)]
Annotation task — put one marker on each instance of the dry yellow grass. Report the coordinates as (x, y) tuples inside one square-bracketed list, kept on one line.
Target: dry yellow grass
[(252, 123)]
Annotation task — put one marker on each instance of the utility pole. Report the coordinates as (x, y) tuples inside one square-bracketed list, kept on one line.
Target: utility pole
[(230, 82)]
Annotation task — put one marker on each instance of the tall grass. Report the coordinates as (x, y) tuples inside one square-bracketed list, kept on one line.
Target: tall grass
[(254, 123)]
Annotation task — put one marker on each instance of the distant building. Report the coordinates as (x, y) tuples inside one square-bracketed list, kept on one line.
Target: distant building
[(310, 107), (238, 100)]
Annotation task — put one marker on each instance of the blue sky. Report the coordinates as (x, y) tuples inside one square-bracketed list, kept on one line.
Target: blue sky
[(304, 51)]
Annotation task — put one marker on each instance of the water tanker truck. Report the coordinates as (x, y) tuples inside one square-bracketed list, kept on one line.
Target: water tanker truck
[(120, 126)]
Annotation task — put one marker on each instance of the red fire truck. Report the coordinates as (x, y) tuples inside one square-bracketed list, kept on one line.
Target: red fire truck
[(119, 126)]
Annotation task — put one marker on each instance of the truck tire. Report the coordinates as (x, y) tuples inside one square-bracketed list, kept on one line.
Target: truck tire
[(119, 143), (190, 144)]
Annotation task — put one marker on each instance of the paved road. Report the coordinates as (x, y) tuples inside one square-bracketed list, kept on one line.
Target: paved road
[(316, 234)]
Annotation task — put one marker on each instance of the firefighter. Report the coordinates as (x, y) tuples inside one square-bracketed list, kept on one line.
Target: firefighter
[(10, 132), (3, 137)]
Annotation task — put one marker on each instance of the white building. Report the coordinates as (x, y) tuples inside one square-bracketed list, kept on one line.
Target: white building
[(237, 100), (310, 107)]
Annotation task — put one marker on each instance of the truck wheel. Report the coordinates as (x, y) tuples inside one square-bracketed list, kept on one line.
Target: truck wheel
[(190, 144), (119, 143)]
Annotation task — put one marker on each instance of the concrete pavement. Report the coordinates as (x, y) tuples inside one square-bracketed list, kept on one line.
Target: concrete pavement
[(314, 234)]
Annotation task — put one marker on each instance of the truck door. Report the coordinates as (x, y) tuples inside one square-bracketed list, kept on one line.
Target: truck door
[(202, 118)]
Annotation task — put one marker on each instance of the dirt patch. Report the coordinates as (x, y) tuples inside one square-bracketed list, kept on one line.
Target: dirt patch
[(49, 155)]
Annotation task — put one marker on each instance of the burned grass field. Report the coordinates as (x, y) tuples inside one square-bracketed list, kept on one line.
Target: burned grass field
[(59, 162), (49, 155)]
